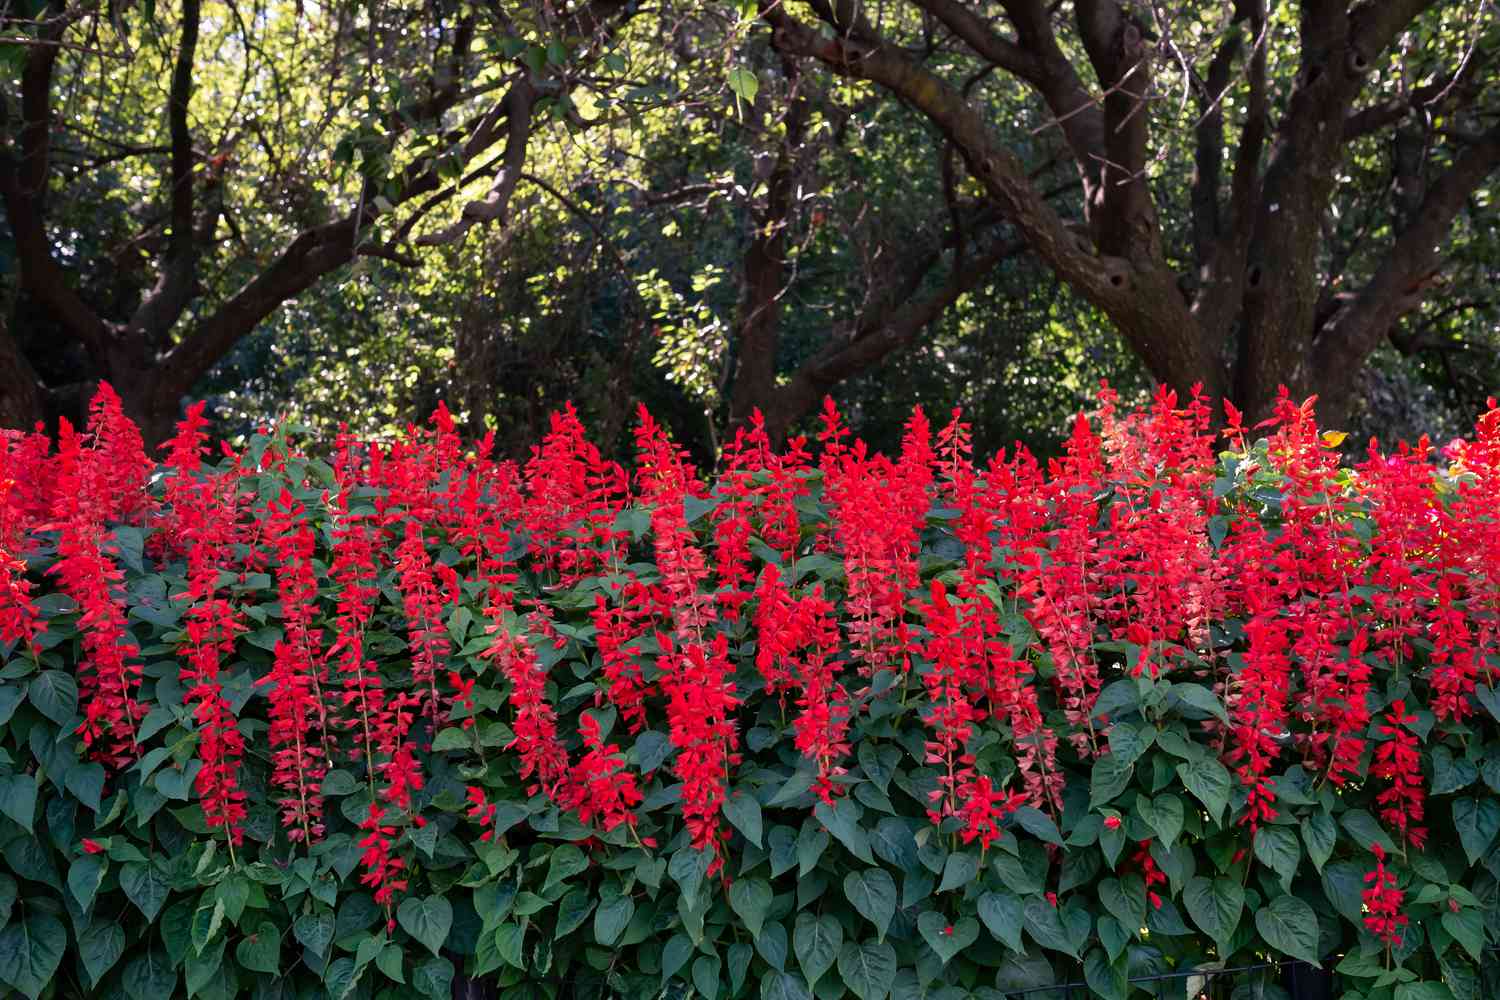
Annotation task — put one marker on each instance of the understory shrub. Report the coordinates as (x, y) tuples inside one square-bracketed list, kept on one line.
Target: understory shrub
[(366, 720)]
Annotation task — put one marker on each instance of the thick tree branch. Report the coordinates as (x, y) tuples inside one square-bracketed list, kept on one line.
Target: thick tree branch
[(1208, 148), (23, 186), (1124, 220), (163, 305), (977, 34), (1078, 115), (324, 248), (880, 336), (757, 328), (517, 108), (1141, 297), (1405, 275), (1375, 24), (1455, 87)]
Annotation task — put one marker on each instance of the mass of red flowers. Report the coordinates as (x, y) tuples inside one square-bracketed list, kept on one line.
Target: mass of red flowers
[(1294, 589)]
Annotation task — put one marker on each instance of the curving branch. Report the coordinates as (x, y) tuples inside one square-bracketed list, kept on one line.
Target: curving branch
[(1410, 266)]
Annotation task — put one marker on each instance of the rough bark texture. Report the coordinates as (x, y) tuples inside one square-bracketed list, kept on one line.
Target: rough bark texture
[(156, 354), (1258, 312)]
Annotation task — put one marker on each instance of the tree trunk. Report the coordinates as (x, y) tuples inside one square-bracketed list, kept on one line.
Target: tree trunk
[(23, 401)]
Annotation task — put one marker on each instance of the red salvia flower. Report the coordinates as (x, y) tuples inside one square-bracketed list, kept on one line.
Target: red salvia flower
[(1398, 761), (1383, 900)]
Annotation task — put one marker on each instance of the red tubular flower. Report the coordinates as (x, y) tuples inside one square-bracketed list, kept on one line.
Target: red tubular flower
[(1399, 761), (1054, 589), (299, 734), (204, 514), (616, 636), (701, 701), (384, 870), (542, 755), (1150, 872), (108, 675), (602, 789), (481, 811), (1383, 901), (363, 696), (423, 597), (20, 620)]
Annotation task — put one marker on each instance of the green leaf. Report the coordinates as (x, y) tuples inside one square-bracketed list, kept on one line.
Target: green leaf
[(1126, 900), (1467, 928), (389, 963), (18, 798), (261, 951), (55, 695), (145, 887), (1209, 781), (958, 871), (1278, 849), (149, 977), (99, 948), (1106, 980), (1365, 830), (1001, 913), (7, 898), (772, 946), (1111, 776), (572, 911), (1423, 991), (31, 950), (1290, 926), (842, 820), (84, 878), (567, 861), (314, 931), (745, 85), (1164, 814), (945, 939), (234, 892), (10, 697), (208, 920), (706, 977), (612, 917), (894, 844), (1477, 822), (1036, 823), (688, 867), (868, 969), (434, 978), (341, 978), (1199, 697), (873, 894), (1044, 924), (783, 986), (1343, 882), (428, 920), (1215, 905), (816, 941), (86, 782), (743, 811), (751, 900), (1319, 833)]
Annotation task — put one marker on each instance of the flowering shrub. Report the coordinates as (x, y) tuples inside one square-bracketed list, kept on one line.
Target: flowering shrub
[(286, 726)]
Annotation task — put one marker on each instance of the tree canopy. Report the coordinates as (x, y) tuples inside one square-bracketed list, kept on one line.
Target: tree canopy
[(345, 211)]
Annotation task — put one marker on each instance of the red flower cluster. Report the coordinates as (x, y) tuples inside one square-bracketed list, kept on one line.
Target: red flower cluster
[(1383, 901), (997, 598)]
